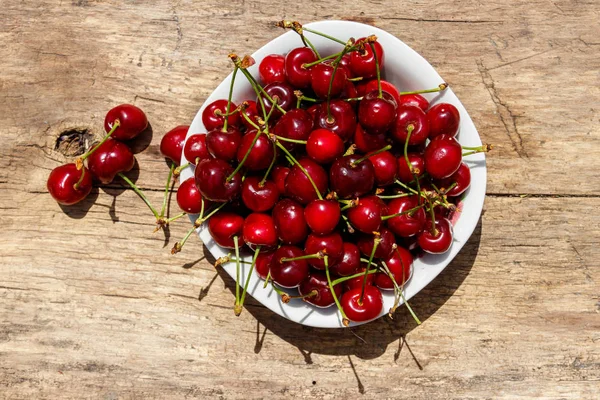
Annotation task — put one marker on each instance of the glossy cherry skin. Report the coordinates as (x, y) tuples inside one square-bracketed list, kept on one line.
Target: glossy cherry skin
[(109, 159), (444, 119), (223, 226), (350, 92), (261, 154), (288, 274), (257, 198), (263, 263), (350, 261), (437, 244), (415, 117), (212, 121), (357, 282), (370, 307), (377, 114), (405, 225), (322, 216), (189, 197), (252, 112), (399, 264), (362, 63), (271, 69), (331, 245), (418, 167), (367, 142), (171, 145), (286, 99), (386, 168), (443, 156), (298, 186), (321, 76), (290, 221), (385, 86), (324, 146), (318, 281), (462, 178), (366, 215), (298, 76), (224, 145), (132, 121), (211, 175), (349, 180), (259, 230), (384, 249), (279, 173), (195, 148), (343, 118), (295, 124), (61, 183), (415, 100)]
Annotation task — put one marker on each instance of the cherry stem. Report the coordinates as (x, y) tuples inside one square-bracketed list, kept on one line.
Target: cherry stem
[(277, 290), (167, 187), (178, 170), (139, 193), (354, 98), (241, 163), (376, 241), (366, 157), (348, 206), (241, 305), (409, 130), (116, 124), (267, 279), (258, 97), (347, 278), (348, 225), (395, 196), (400, 291), (237, 270), (200, 220), (287, 153), (480, 149), (377, 70), (319, 61), (324, 35), (441, 86), (434, 231), (305, 257), (345, 320), (348, 46), (286, 298), (175, 217), (235, 70), (412, 210), (259, 88), (300, 97), (78, 183), (254, 125), (264, 179), (309, 43), (284, 139)]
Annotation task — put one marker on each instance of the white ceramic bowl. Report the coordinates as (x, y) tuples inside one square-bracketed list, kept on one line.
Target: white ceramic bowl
[(408, 71)]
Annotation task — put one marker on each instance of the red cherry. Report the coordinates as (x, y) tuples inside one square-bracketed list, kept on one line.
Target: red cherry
[(367, 142), (351, 180), (110, 158), (366, 215), (279, 174), (259, 230), (350, 261), (295, 124), (317, 281), (345, 63), (385, 247), (211, 175), (356, 283), (195, 148), (386, 168), (415, 100), (370, 307), (377, 114), (444, 119), (462, 178), (271, 69), (321, 77), (261, 154), (288, 274), (259, 198), (223, 226), (298, 76), (224, 145), (189, 198), (213, 115), (350, 92), (342, 121), (385, 86), (324, 146), (171, 145), (284, 93), (61, 184), (418, 165), (331, 245), (297, 185), (399, 264), (290, 221), (410, 116), (252, 112), (263, 263), (362, 63), (405, 225), (313, 110), (440, 243), (443, 156), (322, 216), (132, 121)]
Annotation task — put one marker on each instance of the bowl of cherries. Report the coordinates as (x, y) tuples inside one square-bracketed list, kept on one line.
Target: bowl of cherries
[(339, 174)]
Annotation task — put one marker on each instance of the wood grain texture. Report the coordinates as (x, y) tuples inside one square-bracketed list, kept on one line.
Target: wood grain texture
[(93, 305)]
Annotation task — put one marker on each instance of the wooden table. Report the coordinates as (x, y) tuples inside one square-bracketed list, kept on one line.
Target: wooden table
[(93, 305)]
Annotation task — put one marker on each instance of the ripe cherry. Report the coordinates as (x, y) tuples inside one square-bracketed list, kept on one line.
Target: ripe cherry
[(189, 198), (331, 245), (367, 142), (418, 167), (410, 116), (259, 230), (324, 146), (299, 187), (260, 155), (259, 198), (386, 168), (362, 63), (349, 178), (322, 216), (385, 247), (376, 114), (213, 115), (462, 178), (251, 111), (271, 69), (223, 226), (322, 75), (444, 119), (317, 281), (385, 86), (415, 100), (297, 75), (440, 243), (366, 215), (211, 178), (288, 274), (295, 124), (361, 311), (279, 174), (61, 184), (350, 261), (284, 94), (290, 222), (357, 282), (224, 145), (342, 120), (195, 148), (171, 145), (400, 265), (110, 158), (443, 156), (263, 263), (409, 224), (132, 121)]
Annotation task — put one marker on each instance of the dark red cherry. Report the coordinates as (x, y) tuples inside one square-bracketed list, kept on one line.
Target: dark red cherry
[(324, 146), (223, 226), (385, 86), (357, 282), (263, 263), (195, 148), (132, 121), (110, 158), (409, 224), (367, 142), (271, 69), (330, 245), (385, 247), (297, 75), (410, 116), (342, 121), (279, 174), (284, 93), (213, 115), (399, 264), (259, 230), (211, 178), (350, 92), (350, 261), (366, 215), (299, 187), (295, 124), (351, 180), (462, 178), (362, 63), (261, 154), (415, 100), (377, 114), (189, 198), (345, 62), (444, 119), (322, 216), (317, 281), (61, 184), (313, 110), (443, 156), (288, 274), (171, 145), (252, 112), (440, 243), (386, 168), (418, 167), (224, 145), (370, 307), (259, 198), (322, 75), (290, 221)]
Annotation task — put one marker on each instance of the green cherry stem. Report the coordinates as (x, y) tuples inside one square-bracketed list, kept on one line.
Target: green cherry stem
[(319, 61), (166, 194), (241, 163), (345, 320), (237, 273), (139, 193), (441, 86), (412, 210), (80, 160), (376, 241), (305, 257), (347, 278), (264, 179), (324, 35), (238, 311), (267, 280), (377, 71), (366, 157), (235, 70), (178, 170), (175, 218), (284, 139), (394, 196), (287, 153), (409, 130), (260, 89)]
